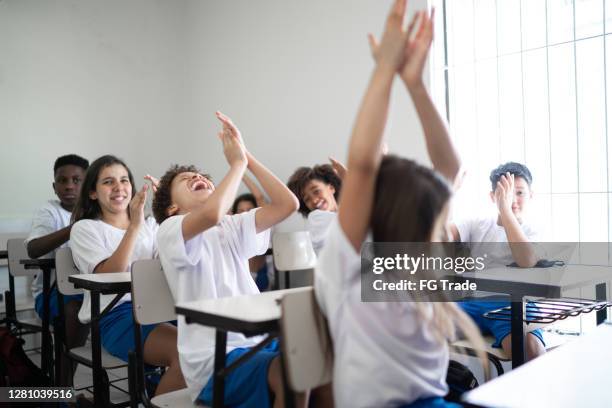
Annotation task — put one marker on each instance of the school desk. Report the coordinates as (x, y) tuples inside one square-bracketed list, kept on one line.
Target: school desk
[(537, 282), (118, 284), (573, 375), (250, 315), (46, 265)]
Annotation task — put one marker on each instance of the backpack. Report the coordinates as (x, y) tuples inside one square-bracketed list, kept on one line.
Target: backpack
[(16, 368), (459, 379)]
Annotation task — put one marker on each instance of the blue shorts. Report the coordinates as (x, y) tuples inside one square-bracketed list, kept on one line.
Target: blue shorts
[(498, 328), (247, 385), (432, 402), (117, 331), (53, 309)]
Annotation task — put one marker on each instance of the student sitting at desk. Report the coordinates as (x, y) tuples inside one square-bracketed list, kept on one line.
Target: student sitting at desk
[(511, 192), (51, 229), (318, 188), (205, 252), (110, 233), (390, 354)]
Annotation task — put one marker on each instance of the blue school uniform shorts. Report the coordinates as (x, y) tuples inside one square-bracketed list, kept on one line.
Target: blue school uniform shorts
[(433, 402), (53, 309), (247, 385), (498, 328), (117, 331)]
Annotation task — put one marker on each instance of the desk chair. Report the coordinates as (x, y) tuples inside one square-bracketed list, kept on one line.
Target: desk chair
[(153, 303), (16, 252), (81, 354), (307, 348), (292, 251)]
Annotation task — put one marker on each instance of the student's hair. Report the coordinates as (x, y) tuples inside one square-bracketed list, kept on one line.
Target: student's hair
[(243, 197), (518, 169), (303, 175), (86, 208), (162, 199), (70, 159), (407, 202)]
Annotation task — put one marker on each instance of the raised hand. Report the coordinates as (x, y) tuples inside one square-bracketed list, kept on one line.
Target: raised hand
[(504, 193), (417, 49), (391, 51), (137, 205), (154, 182), (338, 167), (233, 148)]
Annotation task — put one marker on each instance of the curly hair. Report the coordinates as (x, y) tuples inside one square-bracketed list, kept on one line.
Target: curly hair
[(303, 175), (243, 197), (162, 199), (517, 169)]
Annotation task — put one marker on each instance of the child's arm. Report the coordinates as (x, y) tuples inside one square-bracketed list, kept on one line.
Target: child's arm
[(219, 202), (47, 243), (254, 189), (366, 141), (282, 201), (442, 152), (119, 261), (522, 251)]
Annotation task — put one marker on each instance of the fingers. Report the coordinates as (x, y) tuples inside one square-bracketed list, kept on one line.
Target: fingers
[(373, 43), (412, 24), (397, 12)]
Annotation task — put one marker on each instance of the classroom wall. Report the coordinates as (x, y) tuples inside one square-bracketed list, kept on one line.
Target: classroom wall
[(143, 78)]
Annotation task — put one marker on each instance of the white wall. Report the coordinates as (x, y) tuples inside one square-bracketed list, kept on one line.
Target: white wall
[(142, 79)]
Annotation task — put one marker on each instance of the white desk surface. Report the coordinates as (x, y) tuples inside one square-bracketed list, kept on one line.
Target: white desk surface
[(114, 277), (563, 277), (574, 375), (250, 308)]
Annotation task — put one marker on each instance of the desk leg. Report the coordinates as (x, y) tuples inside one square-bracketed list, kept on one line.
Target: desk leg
[(219, 382), (101, 397), (601, 293), (518, 337), (46, 343)]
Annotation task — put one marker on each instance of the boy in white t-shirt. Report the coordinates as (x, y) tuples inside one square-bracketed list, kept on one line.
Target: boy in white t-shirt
[(511, 192), (51, 226), (205, 252)]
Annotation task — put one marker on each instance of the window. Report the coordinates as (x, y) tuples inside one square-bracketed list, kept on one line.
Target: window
[(529, 81)]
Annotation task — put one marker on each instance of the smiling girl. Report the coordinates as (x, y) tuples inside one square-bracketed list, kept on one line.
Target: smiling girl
[(109, 233)]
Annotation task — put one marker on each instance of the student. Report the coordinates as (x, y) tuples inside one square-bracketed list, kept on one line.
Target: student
[(318, 189), (390, 353), (51, 228), (243, 203), (204, 254), (110, 232), (511, 192)]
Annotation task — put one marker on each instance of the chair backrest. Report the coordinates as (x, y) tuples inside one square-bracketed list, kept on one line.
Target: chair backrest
[(293, 251), (64, 267), (151, 297), (307, 347), (16, 252)]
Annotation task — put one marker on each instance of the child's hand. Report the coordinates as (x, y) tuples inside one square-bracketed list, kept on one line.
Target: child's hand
[(137, 206), (338, 168), (233, 150), (392, 48), (228, 126), (417, 49), (504, 193), (154, 182)]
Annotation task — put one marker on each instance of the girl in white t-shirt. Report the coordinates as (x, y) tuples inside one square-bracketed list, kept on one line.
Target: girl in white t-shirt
[(390, 353), (110, 232)]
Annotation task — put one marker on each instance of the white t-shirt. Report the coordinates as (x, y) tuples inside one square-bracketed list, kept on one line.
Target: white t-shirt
[(211, 265), (49, 218), (318, 225), (384, 353), (93, 241), (480, 232)]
